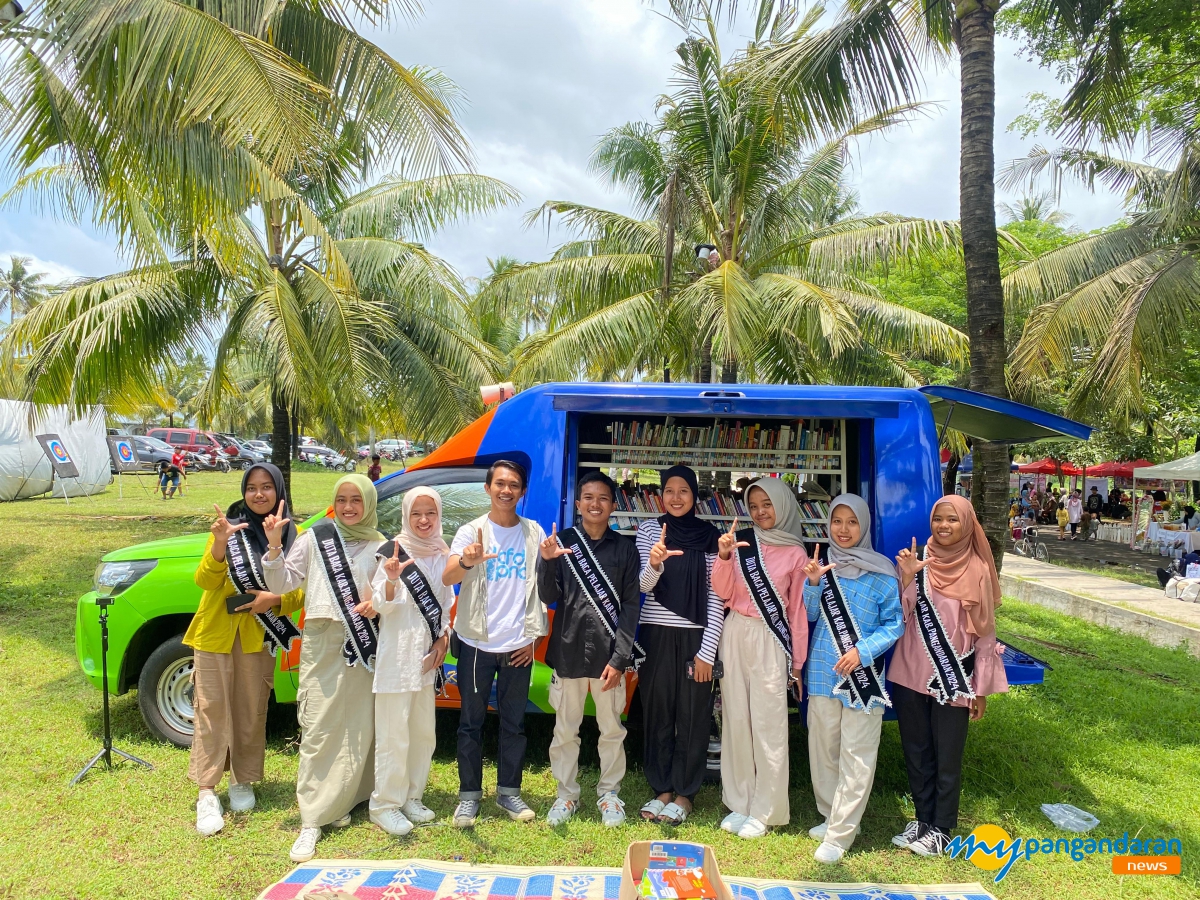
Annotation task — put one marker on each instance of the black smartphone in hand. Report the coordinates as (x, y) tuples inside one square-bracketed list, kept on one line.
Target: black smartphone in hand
[(233, 601)]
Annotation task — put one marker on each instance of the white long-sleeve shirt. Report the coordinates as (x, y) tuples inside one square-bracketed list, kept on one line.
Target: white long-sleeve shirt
[(287, 573), (404, 639), (654, 613)]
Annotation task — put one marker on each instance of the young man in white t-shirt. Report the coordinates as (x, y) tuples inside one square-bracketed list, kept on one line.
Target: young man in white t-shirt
[(498, 618)]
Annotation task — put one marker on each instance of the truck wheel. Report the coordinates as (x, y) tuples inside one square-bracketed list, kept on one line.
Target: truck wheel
[(165, 692)]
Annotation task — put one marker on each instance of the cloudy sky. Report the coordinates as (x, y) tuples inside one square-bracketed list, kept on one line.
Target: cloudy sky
[(544, 78)]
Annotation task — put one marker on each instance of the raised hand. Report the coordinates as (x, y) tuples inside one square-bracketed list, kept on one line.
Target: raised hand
[(392, 566), (909, 565), (263, 600), (473, 554), (275, 524), (222, 529), (814, 570), (659, 552), (728, 542), (549, 547)]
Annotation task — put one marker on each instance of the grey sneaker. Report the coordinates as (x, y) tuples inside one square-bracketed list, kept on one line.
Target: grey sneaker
[(932, 843), (911, 832), (466, 814), (515, 807)]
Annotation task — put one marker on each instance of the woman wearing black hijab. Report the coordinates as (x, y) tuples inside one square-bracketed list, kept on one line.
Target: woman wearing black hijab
[(680, 629), (234, 656)]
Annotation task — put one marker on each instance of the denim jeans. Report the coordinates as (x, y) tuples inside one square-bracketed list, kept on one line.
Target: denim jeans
[(476, 670)]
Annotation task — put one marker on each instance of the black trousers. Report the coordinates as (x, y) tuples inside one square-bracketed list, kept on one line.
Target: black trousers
[(476, 671), (676, 711), (933, 737)]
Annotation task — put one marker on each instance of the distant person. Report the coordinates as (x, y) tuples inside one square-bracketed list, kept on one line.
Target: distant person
[(375, 470), (1074, 506), (1094, 503), (1179, 568), (1062, 516), (172, 472)]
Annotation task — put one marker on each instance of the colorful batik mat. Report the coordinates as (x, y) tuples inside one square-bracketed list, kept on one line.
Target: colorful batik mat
[(423, 879)]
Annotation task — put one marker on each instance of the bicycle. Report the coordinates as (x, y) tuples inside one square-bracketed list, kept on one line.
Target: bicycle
[(1026, 543)]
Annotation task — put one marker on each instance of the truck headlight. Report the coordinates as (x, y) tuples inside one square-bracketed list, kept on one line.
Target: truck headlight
[(114, 577)]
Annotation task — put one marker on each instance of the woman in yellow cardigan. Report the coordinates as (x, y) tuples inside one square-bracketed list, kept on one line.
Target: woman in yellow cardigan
[(234, 635)]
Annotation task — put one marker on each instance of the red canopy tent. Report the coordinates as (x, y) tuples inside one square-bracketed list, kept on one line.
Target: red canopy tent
[(1117, 469), (1050, 466)]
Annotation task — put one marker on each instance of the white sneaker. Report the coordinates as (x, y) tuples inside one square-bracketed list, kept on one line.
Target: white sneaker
[(817, 832), (752, 828), (911, 832), (561, 812), (241, 797), (209, 819), (733, 822), (305, 847), (393, 821), (612, 810), (418, 813), (343, 822), (829, 854)]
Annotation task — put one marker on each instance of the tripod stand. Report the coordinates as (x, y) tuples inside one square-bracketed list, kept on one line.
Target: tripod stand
[(108, 749)]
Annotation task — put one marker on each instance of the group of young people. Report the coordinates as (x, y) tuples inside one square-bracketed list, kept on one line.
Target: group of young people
[(750, 607)]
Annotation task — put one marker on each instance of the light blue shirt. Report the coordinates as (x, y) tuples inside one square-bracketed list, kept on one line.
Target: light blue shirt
[(874, 601)]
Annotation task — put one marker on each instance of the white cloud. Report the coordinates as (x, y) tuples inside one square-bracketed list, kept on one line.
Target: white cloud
[(55, 272)]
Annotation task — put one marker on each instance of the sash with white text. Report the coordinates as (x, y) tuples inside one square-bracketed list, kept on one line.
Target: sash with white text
[(763, 592), (863, 686), (596, 586), (362, 636), (245, 572), (951, 677), (423, 595)]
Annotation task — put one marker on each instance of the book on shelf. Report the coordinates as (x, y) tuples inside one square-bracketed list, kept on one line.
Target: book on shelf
[(720, 505), (723, 436)]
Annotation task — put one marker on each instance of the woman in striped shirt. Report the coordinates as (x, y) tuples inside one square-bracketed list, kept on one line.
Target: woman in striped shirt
[(680, 629)]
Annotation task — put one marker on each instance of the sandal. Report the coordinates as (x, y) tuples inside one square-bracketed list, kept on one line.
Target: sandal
[(673, 814), (652, 810)]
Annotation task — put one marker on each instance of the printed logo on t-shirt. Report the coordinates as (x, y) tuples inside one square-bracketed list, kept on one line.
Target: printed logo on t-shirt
[(508, 564)]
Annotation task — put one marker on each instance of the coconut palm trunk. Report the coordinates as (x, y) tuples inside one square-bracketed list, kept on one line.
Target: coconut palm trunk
[(281, 440), (976, 40)]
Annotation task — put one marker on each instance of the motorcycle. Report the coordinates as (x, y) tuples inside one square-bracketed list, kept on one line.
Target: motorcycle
[(208, 462)]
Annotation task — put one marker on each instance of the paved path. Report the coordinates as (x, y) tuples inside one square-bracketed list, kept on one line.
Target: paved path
[(1117, 604)]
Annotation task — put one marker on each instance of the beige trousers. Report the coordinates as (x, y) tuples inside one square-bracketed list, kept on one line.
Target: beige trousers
[(231, 692), (405, 738), (567, 696), (336, 710), (754, 722), (843, 747)]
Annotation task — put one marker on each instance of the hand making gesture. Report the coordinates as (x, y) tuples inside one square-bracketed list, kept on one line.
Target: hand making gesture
[(550, 548), (814, 570), (659, 552), (909, 565), (274, 525), (223, 529), (728, 542), (392, 566), (473, 554)]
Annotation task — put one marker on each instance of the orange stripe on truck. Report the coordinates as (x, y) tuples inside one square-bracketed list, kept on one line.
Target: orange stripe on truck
[(461, 449)]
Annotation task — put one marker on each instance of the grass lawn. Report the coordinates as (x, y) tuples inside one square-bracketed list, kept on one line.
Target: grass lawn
[(1115, 730)]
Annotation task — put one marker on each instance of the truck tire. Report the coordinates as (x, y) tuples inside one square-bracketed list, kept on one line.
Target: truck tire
[(165, 692)]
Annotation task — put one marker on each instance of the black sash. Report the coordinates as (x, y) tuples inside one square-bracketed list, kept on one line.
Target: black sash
[(863, 685), (951, 677), (362, 637), (596, 585), (763, 592), (246, 575), (422, 593)]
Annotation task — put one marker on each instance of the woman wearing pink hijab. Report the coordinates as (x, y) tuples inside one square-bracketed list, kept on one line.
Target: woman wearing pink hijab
[(945, 664)]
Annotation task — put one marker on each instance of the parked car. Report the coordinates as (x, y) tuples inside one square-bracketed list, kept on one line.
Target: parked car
[(244, 455), (327, 457), (261, 447), (150, 452), (883, 443), (194, 440)]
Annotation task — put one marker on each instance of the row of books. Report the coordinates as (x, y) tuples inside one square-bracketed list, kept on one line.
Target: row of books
[(724, 435), (720, 459), (629, 524), (649, 500)]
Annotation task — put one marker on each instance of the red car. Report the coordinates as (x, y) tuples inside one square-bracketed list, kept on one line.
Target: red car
[(193, 440)]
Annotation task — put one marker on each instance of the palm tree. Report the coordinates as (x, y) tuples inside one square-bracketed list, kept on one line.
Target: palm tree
[(1111, 308), (20, 288), (1039, 207), (225, 154), (775, 302)]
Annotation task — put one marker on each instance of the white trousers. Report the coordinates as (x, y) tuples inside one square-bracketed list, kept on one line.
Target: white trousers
[(567, 696), (405, 738), (754, 721), (843, 747)]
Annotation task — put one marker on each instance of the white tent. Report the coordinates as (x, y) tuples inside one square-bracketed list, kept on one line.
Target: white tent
[(24, 469), (1185, 469)]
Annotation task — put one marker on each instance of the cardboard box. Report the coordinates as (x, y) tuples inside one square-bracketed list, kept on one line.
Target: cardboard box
[(637, 857)]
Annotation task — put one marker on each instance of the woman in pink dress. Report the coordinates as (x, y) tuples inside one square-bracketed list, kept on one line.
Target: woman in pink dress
[(945, 664)]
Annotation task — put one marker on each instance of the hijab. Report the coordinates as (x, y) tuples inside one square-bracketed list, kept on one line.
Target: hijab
[(415, 545), (965, 569), (364, 529), (683, 587), (853, 561), (241, 512), (787, 531)]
